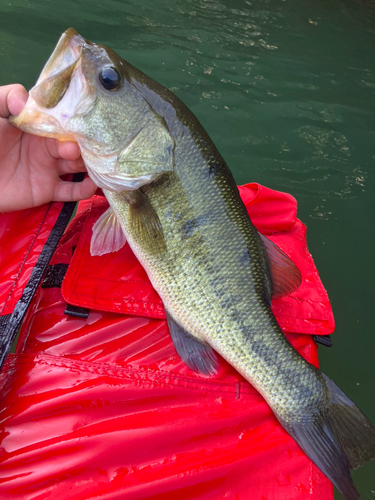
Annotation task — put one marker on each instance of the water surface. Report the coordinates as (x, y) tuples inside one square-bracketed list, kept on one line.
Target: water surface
[(286, 91)]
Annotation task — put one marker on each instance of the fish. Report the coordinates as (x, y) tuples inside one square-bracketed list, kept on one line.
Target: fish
[(174, 200)]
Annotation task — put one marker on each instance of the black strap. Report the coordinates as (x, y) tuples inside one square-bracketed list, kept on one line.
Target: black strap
[(54, 276), (323, 339), (80, 312), (3, 324), (14, 322)]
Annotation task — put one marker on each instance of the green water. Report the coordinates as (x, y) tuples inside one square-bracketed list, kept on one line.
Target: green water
[(286, 91)]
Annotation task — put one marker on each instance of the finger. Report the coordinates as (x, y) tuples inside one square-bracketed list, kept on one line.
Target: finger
[(51, 145), (12, 99), (68, 150), (74, 191), (70, 167), (67, 163)]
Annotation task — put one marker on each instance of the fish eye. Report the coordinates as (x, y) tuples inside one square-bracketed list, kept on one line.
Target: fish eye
[(110, 78)]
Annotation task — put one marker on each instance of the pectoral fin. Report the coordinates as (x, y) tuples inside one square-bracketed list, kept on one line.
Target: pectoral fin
[(107, 234), (198, 355), (144, 221), (285, 275)]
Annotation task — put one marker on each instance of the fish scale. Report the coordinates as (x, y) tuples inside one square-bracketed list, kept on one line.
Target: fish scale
[(204, 284)]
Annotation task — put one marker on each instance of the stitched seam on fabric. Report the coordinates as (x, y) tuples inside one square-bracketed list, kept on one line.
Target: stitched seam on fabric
[(117, 281), (128, 302), (116, 298), (123, 309), (150, 377), (25, 259), (293, 321), (300, 319)]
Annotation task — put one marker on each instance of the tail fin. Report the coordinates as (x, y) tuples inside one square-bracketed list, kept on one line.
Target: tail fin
[(338, 438)]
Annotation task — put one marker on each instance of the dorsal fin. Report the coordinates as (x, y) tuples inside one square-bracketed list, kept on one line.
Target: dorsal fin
[(285, 275)]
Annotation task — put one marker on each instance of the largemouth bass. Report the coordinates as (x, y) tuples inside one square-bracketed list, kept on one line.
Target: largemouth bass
[(173, 198)]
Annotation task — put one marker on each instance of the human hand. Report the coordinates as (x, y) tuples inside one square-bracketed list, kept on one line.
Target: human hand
[(31, 166)]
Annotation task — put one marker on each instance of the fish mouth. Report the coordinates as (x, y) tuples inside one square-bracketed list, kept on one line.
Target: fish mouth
[(41, 115)]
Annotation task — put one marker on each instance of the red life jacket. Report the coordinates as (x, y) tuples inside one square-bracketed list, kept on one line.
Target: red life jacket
[(103, 407)]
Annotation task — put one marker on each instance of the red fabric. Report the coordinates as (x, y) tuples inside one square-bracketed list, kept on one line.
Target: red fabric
[(22, 237), (104, 408), (105, 282), (274, 214)]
